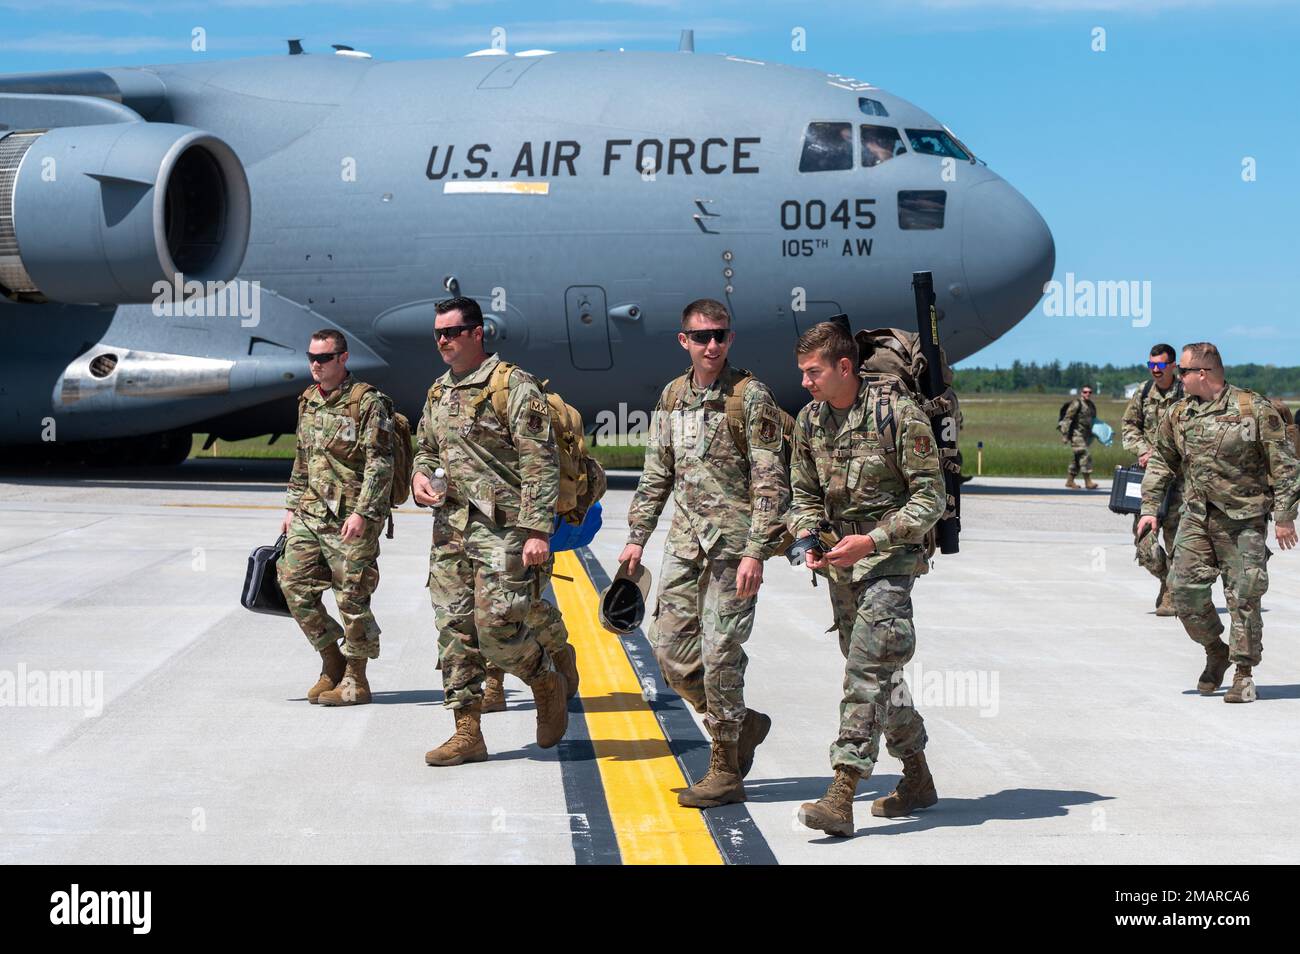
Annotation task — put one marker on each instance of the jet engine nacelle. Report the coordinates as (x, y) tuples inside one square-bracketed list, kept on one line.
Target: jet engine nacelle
[(99, 214)]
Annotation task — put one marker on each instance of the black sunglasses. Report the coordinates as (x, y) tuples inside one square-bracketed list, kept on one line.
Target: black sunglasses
[(1185, 370), (453, 331), (323, 358), (712, 334)]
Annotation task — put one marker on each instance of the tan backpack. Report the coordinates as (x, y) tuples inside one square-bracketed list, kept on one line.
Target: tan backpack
[(402, 455), (892, 360), (582, 479)]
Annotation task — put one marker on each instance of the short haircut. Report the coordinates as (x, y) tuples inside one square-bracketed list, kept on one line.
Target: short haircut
[(334, 335), (829, 339), (1164, 349), (469, 309), (705, 308), (1205, 355)]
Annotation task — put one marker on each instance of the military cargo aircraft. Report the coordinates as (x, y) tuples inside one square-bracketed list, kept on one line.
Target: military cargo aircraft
[(170, 236)]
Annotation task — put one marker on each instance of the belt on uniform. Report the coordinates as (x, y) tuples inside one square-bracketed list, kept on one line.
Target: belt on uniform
[(846, 528)]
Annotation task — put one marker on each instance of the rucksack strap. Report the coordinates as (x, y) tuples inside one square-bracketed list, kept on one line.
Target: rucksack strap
[(358, 391), (1246, 401), (497, 390), (736, 411), (887, 428)]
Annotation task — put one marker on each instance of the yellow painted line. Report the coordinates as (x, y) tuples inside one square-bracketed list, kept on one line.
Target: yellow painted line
[(637, 769)]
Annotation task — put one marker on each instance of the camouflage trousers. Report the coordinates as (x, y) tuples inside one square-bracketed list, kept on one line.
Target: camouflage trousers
[(482, 594), (316, 559), (1081, 462), (1210, 543), (874, 619), (544, 619), (1150, 555), (700, 627)]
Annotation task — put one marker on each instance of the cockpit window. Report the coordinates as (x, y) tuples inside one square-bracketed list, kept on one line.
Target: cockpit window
[(872, 107), (880, 143), (922, 209), (935, 142), (826, 147)]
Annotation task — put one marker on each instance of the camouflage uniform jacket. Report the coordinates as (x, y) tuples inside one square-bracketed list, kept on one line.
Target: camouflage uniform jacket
[(341, 466), (1226, 461), (727, 505), (1142, 419), (1070, 426), (845, 476), (509, 472)]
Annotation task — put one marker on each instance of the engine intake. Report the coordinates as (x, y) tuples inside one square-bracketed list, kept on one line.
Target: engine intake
[(99, 214)]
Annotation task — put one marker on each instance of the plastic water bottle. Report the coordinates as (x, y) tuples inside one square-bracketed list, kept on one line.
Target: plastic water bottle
[(439, 486)]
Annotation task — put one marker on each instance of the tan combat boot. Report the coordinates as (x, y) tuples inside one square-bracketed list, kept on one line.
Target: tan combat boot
[(353, 690), (1088, 482), (753, 730), (1216, 664), (332, 664), (1165, 601), (466, 743), (566, 661), (915, 790), (833, 812), (1243, 686), (494, 690), (1069, 482), (552, 707), (721, 785)]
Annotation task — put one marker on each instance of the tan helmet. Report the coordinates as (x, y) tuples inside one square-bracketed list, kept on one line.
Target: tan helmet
[(622, 604)]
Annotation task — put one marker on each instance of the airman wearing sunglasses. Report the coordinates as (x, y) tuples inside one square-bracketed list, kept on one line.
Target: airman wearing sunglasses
[(1239, 467), (491, 531), (1142, 419), (337, 502), (717, 448)]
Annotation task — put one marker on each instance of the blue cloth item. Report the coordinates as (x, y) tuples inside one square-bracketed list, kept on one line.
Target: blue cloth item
[(566, 536)]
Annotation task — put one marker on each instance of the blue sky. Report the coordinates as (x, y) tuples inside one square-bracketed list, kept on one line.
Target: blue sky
[(1133, 155)]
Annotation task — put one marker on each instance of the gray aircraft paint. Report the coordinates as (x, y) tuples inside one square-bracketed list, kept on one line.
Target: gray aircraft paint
[(596, 261)]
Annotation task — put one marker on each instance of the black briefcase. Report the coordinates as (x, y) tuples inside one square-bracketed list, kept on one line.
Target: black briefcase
[(1126, 492), (261, 588)]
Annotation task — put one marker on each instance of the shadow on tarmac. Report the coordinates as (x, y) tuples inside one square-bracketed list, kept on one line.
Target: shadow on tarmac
[(991, 491), (1012, 804), (1264, 692)]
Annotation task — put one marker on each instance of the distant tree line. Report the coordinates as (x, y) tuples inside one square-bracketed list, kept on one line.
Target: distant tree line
[(1110, 380)]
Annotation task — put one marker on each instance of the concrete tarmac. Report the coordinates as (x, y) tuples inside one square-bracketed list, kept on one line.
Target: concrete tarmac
[(147, 717)]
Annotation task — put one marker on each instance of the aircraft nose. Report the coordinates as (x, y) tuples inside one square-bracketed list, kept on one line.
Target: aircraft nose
[(1008, 254)]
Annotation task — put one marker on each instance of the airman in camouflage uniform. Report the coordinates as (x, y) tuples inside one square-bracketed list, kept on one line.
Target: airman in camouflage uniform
[(1238, 465), (1076, 430), (881, 497), (490, 533), (1141, 424), (729, 500), (337, 502)]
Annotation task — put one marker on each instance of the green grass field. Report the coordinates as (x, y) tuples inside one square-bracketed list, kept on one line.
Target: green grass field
[(1018, 431), (1021, 440)]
